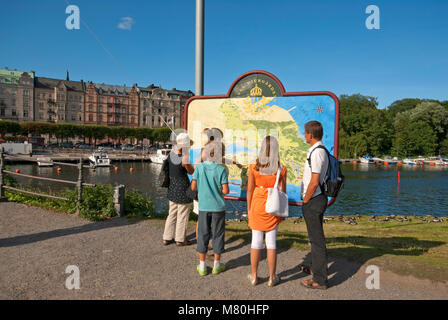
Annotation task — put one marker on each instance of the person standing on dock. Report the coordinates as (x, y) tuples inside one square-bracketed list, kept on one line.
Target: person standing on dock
[(179, 202), (315, 204)]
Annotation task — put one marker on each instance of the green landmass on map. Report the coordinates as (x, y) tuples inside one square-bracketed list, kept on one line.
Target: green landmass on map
[(293, 148)]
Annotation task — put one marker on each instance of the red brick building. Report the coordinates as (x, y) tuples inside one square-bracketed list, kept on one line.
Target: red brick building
[(111, 105)]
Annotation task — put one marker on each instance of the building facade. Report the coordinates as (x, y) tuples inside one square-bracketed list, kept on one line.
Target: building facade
[(160, 107), (59, 101), (25, 97), (16, 95), (111, 105)]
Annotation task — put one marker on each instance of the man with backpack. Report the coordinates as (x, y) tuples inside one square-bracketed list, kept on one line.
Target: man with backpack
[(315, 203)]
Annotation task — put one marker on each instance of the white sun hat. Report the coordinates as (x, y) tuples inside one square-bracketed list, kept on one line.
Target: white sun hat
[(183, 140)]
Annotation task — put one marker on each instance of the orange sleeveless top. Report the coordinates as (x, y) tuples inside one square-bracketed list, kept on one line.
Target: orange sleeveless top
[(259, 219)]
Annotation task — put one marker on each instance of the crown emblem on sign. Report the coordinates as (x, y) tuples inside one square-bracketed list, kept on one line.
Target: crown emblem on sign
[(255, 91)]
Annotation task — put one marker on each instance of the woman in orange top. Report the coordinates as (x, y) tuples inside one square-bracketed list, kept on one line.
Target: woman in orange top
[(262, 175)]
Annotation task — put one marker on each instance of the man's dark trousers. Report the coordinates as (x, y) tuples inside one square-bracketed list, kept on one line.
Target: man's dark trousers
[(313, 212)]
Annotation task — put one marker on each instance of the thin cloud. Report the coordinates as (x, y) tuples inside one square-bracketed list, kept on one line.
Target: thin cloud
[(126, 23)]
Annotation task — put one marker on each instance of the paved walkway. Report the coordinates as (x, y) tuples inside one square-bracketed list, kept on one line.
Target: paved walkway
[(121, 259)]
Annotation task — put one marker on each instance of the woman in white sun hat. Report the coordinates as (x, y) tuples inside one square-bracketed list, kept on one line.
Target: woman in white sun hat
[(179, 202)]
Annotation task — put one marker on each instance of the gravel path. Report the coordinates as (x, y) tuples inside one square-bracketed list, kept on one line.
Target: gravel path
[(122, 259)]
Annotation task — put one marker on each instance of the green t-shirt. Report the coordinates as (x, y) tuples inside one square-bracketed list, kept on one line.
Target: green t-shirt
[(210, 177)]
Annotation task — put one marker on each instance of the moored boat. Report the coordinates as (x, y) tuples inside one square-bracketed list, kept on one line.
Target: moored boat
[(160, 156), (409, 162), (435, 161), (367, 160), (44, 162), (390, 161), (99, 159)]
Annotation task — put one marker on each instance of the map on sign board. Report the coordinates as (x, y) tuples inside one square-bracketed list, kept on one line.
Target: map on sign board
[(246, 120)]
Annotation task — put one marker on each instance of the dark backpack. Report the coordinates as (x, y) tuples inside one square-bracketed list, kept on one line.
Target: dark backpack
[(164, 176), (334, 179)]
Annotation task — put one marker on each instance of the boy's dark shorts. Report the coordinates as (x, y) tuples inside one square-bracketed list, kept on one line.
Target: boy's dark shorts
[(211, 223)]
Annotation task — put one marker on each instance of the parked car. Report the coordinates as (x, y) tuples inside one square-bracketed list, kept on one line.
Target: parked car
[(85, 146), (128, 147), (52, 145), (66, 145), (105, 148), (105, 144)]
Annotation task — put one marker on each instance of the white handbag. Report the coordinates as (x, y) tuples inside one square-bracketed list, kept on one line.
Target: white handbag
[(277, 202)]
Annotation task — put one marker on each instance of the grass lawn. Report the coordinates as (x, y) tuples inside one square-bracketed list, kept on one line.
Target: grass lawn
[(408, 248)]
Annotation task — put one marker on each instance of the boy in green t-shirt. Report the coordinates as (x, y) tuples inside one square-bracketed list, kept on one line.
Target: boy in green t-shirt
[(211, 180)]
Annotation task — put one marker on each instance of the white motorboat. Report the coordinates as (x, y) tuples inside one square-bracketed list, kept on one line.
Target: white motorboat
[(390, 161), (367, 160), (44, 162), (409, 162), (420, 160), (435, 161), (160, 156), (99, 159)]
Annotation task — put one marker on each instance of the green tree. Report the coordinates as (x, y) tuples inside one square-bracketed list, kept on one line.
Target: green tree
[(11, 127), (413, 137)]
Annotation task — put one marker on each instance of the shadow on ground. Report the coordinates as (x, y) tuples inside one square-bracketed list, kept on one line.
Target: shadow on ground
[(344, 262), (42, 236)]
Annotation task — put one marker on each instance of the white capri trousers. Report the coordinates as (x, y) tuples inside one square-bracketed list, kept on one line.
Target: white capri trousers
[(271, 237)]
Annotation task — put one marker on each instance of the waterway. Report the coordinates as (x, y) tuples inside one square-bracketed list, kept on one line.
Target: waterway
[(368, 190)]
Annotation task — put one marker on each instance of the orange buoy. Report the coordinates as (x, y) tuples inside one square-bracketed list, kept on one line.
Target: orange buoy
[(386, 163), (355, 162), (131, 169), (17, 170), (399, 163), (116, 169), (432, 164)]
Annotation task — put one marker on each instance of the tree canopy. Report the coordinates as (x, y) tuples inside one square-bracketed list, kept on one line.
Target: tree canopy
[(407, 128)]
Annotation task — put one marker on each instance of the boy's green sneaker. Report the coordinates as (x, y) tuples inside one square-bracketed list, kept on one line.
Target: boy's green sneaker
[(221, 268), (201, 272)]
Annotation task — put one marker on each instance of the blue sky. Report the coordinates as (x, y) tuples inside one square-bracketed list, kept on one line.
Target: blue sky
[(308, 45)]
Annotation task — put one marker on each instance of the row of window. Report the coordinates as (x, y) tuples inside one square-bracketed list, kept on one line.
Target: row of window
[(26, 92), (13, 113), (14, 81), (62, 107), (26, 103), (157, 119), (160, 103), (73, 117), (112, 100), (111, 118), (117, 110)]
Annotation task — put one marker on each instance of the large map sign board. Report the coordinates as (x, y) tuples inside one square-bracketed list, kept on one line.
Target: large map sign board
[(257, 105)]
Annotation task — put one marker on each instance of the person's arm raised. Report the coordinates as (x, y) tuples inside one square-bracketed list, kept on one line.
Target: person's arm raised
[(186, 164)]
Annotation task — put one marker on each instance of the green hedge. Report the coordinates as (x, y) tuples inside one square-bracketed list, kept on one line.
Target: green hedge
[(97, 202)]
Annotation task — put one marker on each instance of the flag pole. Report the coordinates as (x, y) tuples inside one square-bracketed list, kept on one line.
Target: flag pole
[(199, 59)]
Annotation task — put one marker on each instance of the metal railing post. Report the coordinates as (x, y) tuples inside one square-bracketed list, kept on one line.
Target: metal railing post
[(2, 180), (80, 181), (119, 194)]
